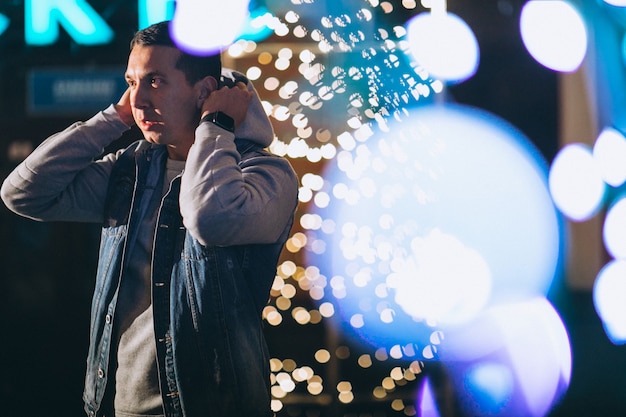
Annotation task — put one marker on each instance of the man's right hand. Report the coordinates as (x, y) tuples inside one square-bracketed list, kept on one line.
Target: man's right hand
[(124, 109)]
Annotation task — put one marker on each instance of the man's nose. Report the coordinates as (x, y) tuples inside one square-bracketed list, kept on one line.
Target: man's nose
[(139, 97)]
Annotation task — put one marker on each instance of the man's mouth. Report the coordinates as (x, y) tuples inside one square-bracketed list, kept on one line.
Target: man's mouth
[(149, 124)]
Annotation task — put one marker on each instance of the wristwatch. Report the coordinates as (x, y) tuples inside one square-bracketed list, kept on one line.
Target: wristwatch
[(220, 119)]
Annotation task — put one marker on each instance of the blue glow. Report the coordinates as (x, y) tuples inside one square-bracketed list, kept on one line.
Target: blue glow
[(154, 11), (4, 23), (206, 26), (618, 3), (554, 33), (256, 28), (615, 229), (427, 403), (78, 18), (609, 298), (492, 386), (609, 152), (514, 360), (435, 218), (444, 45), (576, 182)]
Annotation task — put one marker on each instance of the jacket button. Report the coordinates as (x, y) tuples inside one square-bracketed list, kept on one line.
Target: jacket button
[(108, 318), (100, 373)]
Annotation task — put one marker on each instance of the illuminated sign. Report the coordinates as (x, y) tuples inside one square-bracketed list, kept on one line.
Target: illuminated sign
[(43, 18), (69, 92)]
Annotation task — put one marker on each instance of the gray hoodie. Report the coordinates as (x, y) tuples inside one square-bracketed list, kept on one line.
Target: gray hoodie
[(223, 201)]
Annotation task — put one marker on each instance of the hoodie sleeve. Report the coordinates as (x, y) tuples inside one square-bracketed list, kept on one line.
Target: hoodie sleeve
[(60, 180), (229, 201)]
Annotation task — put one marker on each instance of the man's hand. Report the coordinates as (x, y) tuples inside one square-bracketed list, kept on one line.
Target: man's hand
[(124, 110), (232, 101)]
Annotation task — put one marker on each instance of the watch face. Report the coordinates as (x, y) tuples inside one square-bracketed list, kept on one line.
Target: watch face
[(222, 120)]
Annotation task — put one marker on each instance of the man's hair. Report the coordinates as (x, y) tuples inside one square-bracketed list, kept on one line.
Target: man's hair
[(195, 67)]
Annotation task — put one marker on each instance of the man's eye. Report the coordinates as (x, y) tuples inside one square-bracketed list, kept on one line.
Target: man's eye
[(155, 82)]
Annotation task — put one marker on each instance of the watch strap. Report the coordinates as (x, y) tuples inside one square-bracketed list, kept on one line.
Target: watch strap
[(220, 119)]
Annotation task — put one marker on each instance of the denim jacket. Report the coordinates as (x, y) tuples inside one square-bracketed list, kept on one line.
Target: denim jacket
[(207, 301)]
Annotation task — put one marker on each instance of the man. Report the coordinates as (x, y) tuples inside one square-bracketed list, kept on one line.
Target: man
[(194, 218)]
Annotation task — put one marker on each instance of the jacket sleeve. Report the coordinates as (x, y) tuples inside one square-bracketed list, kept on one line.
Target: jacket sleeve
[(60, 180), (226, 201)]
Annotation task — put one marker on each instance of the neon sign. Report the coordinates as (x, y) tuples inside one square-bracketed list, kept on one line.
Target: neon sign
[(43, 18)]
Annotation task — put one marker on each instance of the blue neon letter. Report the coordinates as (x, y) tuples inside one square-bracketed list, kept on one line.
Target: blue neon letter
[(4, 23), (154, 11), (43, 17)]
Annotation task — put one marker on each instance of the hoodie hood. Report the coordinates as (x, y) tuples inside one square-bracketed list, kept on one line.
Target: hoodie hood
[(256, 127)]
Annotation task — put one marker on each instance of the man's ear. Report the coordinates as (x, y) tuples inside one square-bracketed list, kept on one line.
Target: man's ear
[(205, 87)]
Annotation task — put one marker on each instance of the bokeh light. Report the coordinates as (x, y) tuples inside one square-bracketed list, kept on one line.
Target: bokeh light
[(258, 25), (444, 45), (609, 151), (614, 229), (609, 298), (4, 23), (493, 384), (426, 401), (432, 220), (514, 360), (576, 182), (618, 3), (554, 33), (394, 191), (203, 27)]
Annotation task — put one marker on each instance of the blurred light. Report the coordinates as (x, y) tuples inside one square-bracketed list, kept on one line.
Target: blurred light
[(614, 230), (493, 383), (609, 151), (441, 262), (618, 3), (322, 356), (515, 360), (427, 404), (42, 19), (609, 298), (258, 25), (554, 33), (576, 182), (4, 23), (204, 27), (154, 11), (444, 45), (446, 213)]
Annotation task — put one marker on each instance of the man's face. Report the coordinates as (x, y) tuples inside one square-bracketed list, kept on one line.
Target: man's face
[(164, 105)]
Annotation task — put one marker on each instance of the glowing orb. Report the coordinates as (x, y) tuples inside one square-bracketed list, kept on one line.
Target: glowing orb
[(515, 360), (554, 34), (258, 25), (444, 45), (615, 228), (427, 404), (492, 383), (576, 182), (610, 301), (609, 151), (4, 23), (203, 27), (431, 221), (618, 3)]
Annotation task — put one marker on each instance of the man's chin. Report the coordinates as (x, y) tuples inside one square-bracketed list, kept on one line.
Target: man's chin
[(152, 138)]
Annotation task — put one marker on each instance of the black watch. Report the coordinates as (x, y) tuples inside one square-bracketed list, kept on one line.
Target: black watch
[(220, 119)]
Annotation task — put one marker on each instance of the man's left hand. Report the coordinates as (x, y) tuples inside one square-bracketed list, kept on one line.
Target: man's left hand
[(231, 101)]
